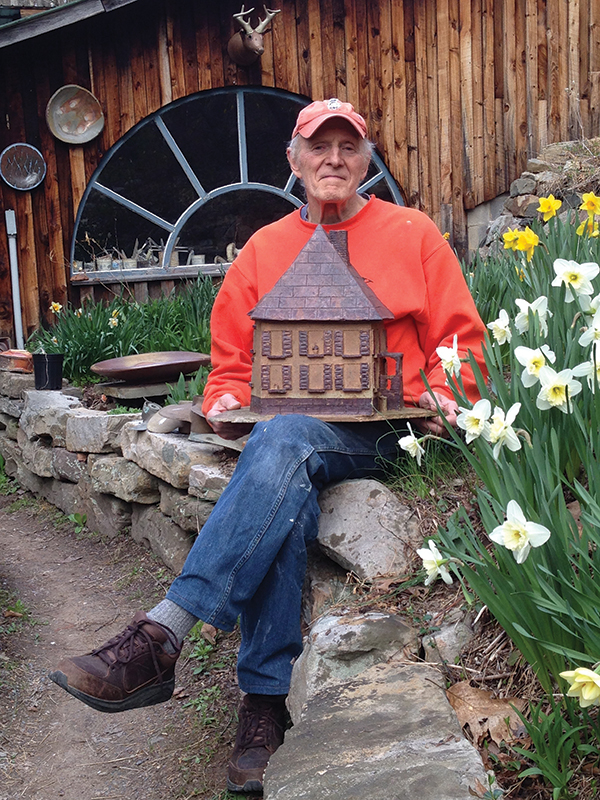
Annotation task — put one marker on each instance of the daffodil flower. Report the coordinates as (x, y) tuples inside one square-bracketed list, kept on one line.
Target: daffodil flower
[(449, 357), (78, 312), (528, 241), (590, 369), (539, 307), (501, 433), (475, 420), (593, 332), (584, 684), (589, 227), (557, 389), (576, 277), (511, 237), (533, 361), (412, 445), (115, 313), (519, 534), (113, 322), (590, 203), (549, 206), (500, 327), (55, 307), (434, 563)]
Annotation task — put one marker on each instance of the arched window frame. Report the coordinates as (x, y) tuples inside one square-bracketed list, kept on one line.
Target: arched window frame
[(173, 230)]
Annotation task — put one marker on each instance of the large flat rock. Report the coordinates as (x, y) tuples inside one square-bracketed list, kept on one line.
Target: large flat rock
[(388, 734)]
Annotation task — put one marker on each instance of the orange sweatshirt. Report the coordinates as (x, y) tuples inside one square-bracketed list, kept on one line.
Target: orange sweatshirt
[(405, 260)]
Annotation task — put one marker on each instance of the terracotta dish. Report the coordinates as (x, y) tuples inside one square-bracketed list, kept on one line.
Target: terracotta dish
[(162, 366), (74, 115)]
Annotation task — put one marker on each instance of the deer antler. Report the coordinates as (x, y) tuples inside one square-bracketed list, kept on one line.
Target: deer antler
[(261, 27), (245, 23)]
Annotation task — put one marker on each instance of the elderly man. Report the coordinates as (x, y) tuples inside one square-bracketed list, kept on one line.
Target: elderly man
[(249, 559)]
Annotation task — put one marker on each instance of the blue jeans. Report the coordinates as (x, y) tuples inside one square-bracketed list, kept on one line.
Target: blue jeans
[(249, 558)]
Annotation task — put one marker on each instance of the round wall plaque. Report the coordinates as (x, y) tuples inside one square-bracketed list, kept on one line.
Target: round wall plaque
[(22, 166), (74, 115)]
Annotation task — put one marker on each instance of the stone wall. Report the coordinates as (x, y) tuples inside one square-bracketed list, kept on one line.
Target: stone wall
[(160, 487)]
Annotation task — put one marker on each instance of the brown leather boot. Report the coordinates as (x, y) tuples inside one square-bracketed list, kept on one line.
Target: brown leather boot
[(129, 671), (260, 730)]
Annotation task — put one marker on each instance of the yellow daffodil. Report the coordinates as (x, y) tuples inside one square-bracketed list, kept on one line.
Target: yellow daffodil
[(519, 534), (584, 684), (588, 227), (434, 563), (115, 313), (511, 237), (446, 235), (528, 241), (55, 307), (549, 206), (412, 445), (590, 203), (475, 420)]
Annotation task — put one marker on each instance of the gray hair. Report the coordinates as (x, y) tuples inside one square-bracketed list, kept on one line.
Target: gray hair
[(366, 147)]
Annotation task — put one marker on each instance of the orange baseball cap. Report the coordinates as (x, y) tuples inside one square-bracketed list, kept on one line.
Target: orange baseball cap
[(314, 115)]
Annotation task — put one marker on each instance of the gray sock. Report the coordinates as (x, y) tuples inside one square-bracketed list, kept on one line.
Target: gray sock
[(174, 617)]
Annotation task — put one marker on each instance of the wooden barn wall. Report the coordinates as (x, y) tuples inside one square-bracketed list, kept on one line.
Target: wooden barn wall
[(457, 94)]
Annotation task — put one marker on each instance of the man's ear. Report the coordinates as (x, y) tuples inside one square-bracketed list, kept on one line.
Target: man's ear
[(293, 164)]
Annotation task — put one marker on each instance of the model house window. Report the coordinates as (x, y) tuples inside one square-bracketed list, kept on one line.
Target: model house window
[(187, 186)]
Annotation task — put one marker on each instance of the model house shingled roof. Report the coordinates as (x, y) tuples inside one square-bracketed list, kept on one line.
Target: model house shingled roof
[(321, 285)]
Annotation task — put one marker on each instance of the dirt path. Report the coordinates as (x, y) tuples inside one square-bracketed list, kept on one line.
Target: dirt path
[(79, 591)]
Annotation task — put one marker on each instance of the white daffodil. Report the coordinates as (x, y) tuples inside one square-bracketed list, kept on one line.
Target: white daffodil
[(593, 332), (576, 277), (557, 389), (500, 327), (519, 534), (533, 361), (501, 433), (590, 369), (584, 684), (475, 420), (434, 563), (412, 445), (539, 307), (449, 357)]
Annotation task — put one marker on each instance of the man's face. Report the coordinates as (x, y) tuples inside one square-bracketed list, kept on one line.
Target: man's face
[(332, 163)]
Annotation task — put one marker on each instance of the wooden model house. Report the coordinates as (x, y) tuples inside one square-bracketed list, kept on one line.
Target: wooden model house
[(319, 339)]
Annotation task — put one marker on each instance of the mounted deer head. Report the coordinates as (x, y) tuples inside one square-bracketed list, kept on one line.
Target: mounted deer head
[(246, 46)]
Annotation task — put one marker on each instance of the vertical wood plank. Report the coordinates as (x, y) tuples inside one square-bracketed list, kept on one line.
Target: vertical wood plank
[(400, 156), (510, 92), (351, 52), (420, 23), (304, 44), (489, 112), (164, 67), (375, 102), (477, 167), (433, 112), (542, 79), (531, 76), (327, 48), (364, 65), (459, 221), (317, 88), (412, 133), (202, 47), (387, 91), (466, 94), (188, 47), (573, 88), (291, 53), (520, 89), (339, 48)]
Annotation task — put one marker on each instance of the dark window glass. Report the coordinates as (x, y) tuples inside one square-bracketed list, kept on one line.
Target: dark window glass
[(269, 123)]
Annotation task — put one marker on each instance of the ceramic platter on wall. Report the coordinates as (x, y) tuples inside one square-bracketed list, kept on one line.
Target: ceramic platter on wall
[(74, 115), (22, 166)]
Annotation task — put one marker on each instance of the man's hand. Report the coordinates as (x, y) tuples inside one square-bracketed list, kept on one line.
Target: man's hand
[(435, 424), (226, 430)]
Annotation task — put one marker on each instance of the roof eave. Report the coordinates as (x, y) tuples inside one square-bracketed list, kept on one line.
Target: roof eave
[(54, 18)]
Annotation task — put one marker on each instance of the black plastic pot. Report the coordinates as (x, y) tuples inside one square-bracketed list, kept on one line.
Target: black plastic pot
[(48, 370)]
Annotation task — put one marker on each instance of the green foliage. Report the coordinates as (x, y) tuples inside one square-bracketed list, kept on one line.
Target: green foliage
[(208, 704), (78, 520), (99, 331), (123, 410), (188, 387), (7, 485)]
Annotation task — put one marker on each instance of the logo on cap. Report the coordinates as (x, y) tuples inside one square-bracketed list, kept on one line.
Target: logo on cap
[(334, 104)]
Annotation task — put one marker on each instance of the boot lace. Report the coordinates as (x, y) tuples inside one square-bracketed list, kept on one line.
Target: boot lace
[(123, 647), (259, 727)]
